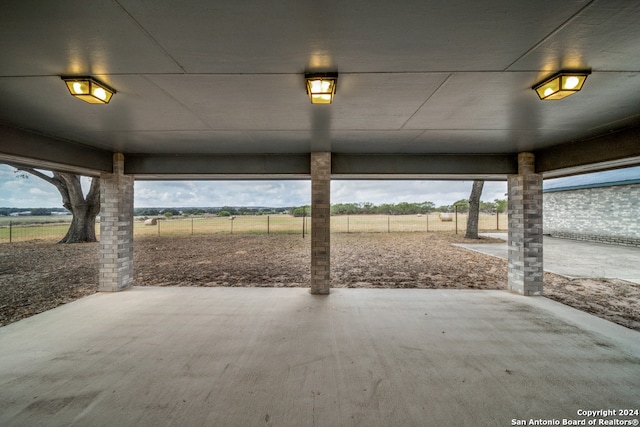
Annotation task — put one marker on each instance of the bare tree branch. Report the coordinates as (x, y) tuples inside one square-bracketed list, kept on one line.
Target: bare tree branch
[(35, 172)]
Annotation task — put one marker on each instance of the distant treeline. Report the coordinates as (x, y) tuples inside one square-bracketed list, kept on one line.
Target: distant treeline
[(403, 208), (33, 211), (366, 208), (222, 211)]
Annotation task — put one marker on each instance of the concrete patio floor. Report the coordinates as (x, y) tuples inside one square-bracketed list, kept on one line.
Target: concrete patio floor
[(282, 357)]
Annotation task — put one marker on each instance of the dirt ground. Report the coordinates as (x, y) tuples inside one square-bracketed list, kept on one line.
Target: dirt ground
[(38, 276)]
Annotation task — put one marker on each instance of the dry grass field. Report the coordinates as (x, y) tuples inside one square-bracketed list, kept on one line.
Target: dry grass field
[(40, 275), (22, 229)]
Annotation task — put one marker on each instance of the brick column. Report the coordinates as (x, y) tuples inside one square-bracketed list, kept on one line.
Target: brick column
[(116, 228), (526, 274), (320, 222)]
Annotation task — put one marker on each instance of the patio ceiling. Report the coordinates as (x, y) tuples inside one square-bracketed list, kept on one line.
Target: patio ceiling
[(426, 88)]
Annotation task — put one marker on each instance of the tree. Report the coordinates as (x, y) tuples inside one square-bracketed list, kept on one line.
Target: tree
[(301, 211), (170, 211), (501, 205), (462, 205), (474, 210), (487, 207), (41, 212), (146, 212), (83, 208), (426, 207)]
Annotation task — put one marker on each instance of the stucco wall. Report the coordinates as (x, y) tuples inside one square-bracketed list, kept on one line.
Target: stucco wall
[(603, 214)]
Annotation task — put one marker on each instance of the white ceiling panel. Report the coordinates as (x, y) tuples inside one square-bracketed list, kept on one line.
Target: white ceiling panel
[(351, 36), (75, 37), (602, 37), (485, 141), (164, 142), (381, 101), (44, 104), (244, 102), (479, 101), (371, 141), (505, 101)]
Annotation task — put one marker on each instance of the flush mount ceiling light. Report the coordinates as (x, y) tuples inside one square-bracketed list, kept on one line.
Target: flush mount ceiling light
[(561, 85), (89, 89), (321, 87)]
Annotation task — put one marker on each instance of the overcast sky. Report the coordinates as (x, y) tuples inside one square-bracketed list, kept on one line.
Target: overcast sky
[(35, 193)]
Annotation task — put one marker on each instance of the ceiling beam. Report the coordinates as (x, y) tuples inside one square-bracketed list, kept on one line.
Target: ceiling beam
[(613, 150), (297, 166), (224, 166), (433, 166), (21, 147)]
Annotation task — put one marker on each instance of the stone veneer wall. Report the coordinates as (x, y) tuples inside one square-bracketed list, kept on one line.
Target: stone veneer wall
[(320, 223), (116, 229), (525, 275), (603, 214)]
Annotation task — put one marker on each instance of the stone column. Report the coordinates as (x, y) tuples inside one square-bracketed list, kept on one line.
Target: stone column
[(320, 222), (116, 228), (526, 274)]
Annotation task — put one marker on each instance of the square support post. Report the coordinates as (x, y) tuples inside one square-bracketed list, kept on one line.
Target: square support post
[(116, 228), (526, 273), (320, 223)]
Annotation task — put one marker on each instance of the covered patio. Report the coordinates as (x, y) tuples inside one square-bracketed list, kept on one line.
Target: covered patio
[(422, 90), (218, 90)]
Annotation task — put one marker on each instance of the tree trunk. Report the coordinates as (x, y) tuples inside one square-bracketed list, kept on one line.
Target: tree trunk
[(84, 209), (474, 210)]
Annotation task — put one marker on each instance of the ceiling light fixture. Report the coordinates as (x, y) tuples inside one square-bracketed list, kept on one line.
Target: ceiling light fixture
[(321, 87), (89, 89), (561, 85)]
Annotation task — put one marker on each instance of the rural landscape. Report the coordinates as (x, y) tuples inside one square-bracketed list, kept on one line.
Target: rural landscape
[(26, 228), (368, 251)]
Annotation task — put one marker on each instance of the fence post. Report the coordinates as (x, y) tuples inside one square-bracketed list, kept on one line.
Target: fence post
[(388, 223), (158, 228), (428, 221), (192, 226), (10, 231), (347, 223), (456, 206), (268, 229), (497, 221), (304, 211)]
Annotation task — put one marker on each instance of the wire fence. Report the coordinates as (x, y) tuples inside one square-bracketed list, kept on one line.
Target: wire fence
[(449, 222), (23, 230), (256, 224)]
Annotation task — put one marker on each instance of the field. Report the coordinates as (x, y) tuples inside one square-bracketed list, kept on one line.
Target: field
[(34, 220), (24, 228), (20, 229), (39, 275)]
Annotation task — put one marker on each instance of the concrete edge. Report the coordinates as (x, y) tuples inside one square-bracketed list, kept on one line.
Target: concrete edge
[(470, 246)]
